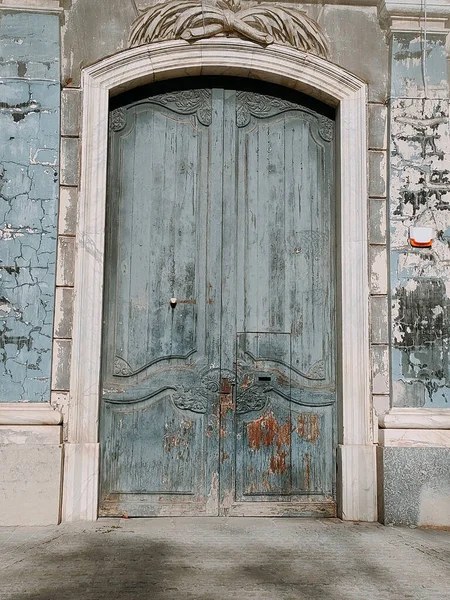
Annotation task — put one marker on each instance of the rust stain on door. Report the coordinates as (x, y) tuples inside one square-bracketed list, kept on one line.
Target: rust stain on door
[(226, 403), (278, 462), (308, 426), (267, 431), (307, 472)]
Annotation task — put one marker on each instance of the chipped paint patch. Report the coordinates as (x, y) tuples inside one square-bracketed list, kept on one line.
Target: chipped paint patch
[(420, 197), (423, 336), (178, 439), (212, 499)]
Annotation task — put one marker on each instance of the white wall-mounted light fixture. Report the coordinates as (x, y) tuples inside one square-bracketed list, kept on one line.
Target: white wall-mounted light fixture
[(421, 237)]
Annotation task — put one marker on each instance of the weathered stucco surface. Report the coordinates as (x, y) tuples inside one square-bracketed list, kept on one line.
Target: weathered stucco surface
[(346, 26), (420, 196), (84, 41), (87, 37), (29, 148), (358, 44)]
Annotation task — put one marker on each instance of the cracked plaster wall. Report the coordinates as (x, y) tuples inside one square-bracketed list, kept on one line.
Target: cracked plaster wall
[(29, 164), (346, 27), (420, 196)]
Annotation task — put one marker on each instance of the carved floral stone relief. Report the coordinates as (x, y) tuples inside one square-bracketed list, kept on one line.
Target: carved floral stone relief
[(264, 24)]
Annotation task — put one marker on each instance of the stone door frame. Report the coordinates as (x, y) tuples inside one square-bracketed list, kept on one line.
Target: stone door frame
[(277, 64)]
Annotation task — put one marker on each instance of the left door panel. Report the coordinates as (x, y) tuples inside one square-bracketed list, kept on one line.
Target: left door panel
[(159, 414)]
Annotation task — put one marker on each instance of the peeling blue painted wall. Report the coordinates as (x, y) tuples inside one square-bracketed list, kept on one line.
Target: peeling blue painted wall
[(420, 196), (29, 155)]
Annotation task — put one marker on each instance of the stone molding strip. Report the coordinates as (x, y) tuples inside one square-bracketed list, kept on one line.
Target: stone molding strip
[(414, 8), (13, 413), (414, 438), (406, 15), (45, 6), (415, 418)]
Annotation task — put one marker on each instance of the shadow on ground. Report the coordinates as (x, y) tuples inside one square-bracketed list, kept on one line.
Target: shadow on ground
[(111, 562)]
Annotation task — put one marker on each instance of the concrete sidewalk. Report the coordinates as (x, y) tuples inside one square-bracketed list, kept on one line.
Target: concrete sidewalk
[(223, 558)]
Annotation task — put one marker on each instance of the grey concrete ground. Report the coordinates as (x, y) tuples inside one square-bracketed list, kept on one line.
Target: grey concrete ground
[(220, 558)]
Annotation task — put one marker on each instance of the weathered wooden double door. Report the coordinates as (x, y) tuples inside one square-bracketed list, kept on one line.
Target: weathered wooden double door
[(219, 329)]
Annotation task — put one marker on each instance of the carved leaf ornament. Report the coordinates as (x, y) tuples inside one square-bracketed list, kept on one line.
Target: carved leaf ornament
[(193, 20), (250, 397)]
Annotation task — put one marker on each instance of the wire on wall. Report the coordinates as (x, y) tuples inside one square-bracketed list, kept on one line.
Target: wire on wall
[(424, 49)]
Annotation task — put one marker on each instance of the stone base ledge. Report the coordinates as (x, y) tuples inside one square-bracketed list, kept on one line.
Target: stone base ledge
[(30, 484), (29, 413), (357, 493), (31, 434), (414, 438), (415, 418), (406, 24)]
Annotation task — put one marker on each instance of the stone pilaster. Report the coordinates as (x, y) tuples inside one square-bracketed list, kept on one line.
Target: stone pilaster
[(414, 440)]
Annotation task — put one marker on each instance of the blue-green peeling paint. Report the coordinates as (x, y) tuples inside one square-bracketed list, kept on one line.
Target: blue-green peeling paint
[(419, 196), (29, 170)]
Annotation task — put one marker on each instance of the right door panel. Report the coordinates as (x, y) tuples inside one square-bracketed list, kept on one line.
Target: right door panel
[(284, 423)]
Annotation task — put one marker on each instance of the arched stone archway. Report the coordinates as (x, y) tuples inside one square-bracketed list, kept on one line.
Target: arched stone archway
[(277, 64)]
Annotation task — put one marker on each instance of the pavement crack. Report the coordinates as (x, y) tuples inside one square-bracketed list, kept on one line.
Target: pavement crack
[(28, 550)]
